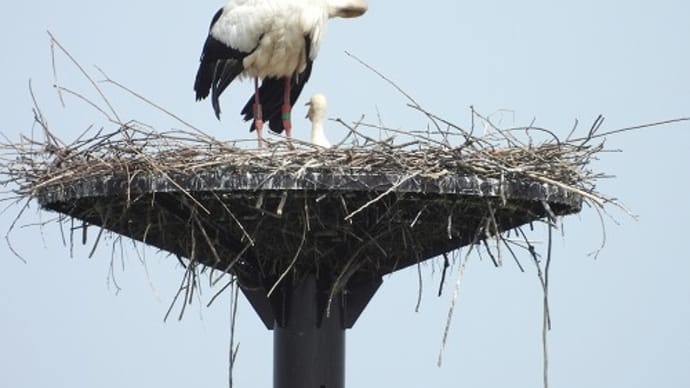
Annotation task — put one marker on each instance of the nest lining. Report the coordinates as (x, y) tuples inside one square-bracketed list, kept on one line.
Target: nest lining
[(130, 151)]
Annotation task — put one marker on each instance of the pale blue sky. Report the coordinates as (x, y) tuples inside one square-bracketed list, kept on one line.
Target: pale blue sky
[(620, 320)]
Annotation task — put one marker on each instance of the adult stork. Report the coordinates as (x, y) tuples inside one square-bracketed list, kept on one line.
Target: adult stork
[(275, 40), (317, 115)]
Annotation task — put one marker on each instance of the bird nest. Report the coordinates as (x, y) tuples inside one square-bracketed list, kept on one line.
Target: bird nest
[(362, 209), (370, 207)]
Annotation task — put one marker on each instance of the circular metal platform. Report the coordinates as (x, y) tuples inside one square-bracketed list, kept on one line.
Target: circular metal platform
[(221, 217)]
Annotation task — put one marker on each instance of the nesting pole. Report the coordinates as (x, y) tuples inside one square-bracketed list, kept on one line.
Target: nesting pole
[(309, 250)]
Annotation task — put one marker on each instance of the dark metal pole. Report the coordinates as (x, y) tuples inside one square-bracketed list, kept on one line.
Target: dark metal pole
[(309, 348)]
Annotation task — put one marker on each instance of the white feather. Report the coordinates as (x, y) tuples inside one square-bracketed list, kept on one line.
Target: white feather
[(274, 31), (317, 116)]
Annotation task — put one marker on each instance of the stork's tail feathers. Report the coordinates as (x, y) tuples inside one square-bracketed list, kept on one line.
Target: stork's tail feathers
[(271, 96), (224, 73), (214, 77), (204, 78)]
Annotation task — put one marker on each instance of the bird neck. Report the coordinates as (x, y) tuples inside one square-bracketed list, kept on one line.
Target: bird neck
[(317, 135), (346, 8), (317, 130)]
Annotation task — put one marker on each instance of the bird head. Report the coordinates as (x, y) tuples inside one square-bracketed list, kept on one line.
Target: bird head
[(317, 107), (346, 8)]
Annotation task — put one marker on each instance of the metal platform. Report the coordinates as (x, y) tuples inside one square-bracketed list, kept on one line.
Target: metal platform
[(419, 219), (337, 233)]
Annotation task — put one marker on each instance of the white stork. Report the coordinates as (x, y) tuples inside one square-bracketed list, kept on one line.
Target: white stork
[(276, 40), (317, 116)]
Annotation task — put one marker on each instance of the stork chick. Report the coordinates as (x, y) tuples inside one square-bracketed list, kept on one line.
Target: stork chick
[(317, 115)]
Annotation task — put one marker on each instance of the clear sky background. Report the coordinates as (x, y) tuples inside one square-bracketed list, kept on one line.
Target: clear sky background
[(620, 320)]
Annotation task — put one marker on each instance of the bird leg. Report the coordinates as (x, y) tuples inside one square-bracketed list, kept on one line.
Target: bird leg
[(258, 113), (286, 109)]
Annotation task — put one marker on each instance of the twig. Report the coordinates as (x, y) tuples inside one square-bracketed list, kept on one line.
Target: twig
[(294, 259), (9, 230), (390, 190), (233, 350), (446, 264), (546, 322), (454, 299), (85, 74), (398, 88)]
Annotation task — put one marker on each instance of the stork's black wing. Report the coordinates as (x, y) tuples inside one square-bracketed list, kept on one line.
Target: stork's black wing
[(219, 65)]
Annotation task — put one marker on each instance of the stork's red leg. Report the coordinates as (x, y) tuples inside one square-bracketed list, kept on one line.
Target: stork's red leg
[(286, 108), (258, 113)]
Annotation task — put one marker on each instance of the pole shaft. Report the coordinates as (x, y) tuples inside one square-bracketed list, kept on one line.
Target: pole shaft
[(306, 354)]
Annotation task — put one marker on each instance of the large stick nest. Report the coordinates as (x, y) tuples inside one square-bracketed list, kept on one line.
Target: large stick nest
[(367, 206)]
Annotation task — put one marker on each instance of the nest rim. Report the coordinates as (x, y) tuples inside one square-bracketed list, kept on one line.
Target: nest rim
[(223, 180)]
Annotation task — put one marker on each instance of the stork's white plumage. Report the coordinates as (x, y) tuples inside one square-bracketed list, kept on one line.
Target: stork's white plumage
[(276, 40), (317, 116)]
